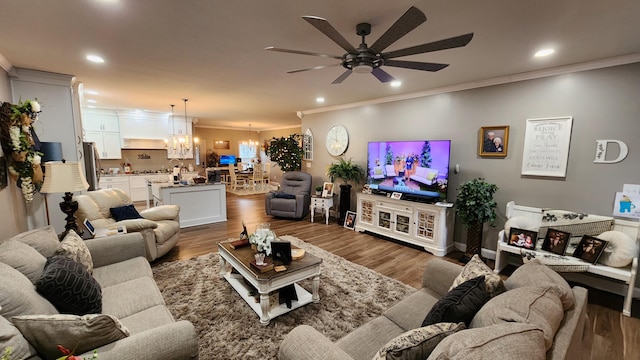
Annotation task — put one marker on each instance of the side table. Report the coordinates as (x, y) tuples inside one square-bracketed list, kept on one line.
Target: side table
[(324, 203)]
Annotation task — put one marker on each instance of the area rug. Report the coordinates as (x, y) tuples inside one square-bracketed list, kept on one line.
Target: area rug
[(350, 296)]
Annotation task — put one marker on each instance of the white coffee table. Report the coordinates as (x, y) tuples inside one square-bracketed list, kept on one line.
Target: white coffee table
[(267, 282)]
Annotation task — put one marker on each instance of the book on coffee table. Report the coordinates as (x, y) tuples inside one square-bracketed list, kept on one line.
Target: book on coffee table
[(267, 266), (239, 244)]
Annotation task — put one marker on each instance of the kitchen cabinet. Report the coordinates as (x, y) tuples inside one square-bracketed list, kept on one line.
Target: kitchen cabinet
[(102, 127), (100, 120), (118, 182), (107, 143), (144, 125)]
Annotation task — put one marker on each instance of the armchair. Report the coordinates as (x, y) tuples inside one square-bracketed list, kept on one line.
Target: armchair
[(390, 170), (294, 197), (160, 225)]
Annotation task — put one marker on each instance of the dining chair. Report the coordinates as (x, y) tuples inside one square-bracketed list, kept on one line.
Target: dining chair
[(258, 177), (235, 180)]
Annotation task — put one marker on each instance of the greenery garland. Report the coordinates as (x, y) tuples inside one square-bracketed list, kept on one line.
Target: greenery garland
[(21, 145)]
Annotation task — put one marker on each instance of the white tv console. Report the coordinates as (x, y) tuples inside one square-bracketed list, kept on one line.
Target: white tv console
[(598, 276), (426, 225)]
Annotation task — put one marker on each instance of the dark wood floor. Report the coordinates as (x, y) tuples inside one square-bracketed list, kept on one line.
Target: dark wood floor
[(615, 336)]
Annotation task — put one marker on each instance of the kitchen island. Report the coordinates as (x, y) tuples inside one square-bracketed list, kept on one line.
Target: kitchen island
[(199, 203)]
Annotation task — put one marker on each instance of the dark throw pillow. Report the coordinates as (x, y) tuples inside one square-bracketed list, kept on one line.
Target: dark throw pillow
[(284, 196), (69, 287), (460, 304), (125, 213)]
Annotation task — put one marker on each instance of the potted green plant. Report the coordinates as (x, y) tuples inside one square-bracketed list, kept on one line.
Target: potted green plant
[(349, 172), (319, 190), (475, 206)]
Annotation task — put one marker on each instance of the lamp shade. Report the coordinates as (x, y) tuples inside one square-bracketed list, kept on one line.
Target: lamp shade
[(52, 151), (63, 177)]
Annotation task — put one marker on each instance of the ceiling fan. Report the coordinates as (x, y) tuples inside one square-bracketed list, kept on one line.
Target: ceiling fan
[(367, 59)]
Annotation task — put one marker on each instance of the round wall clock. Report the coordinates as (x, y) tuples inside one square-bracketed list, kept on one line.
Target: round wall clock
[(337, 140)]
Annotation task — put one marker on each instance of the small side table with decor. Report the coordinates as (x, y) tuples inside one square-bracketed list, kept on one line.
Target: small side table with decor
[(324, 203)]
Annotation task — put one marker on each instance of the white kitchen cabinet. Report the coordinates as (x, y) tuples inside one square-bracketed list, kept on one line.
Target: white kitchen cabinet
[(107, 143), (119, 182), (139, 188), (100, 120), (102, 127), (426, 225), (143, 125)]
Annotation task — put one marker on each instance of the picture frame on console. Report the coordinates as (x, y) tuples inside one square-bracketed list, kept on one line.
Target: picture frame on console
[(350, 220), (493, 141), (327, 189), (556, 241), (523, 238), (589, 249)]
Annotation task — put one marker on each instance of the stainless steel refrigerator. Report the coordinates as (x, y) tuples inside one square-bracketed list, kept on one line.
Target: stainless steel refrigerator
[(91, 164)]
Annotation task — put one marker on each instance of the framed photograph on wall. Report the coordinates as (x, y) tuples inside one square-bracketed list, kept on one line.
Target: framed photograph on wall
[(523, 238), (546, 146), (589, 249), (221, 145), (493, 141), (556, 241), (350, 220), (327, 189)]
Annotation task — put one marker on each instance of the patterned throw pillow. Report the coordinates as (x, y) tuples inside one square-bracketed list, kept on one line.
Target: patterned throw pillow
[(74, 248), (69, 287), (417, 343), (474, 268), (460, 304), (82, 333)]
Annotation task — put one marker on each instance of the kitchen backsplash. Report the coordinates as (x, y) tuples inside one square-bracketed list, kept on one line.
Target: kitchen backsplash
[(146, 160)]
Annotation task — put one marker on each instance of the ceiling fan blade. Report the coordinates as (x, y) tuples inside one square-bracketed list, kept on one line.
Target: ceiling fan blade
[(333, 34), (416, 65), (272, 48), (407, 22), (341, 78), (311, 68), (382, 75), (450, 43)]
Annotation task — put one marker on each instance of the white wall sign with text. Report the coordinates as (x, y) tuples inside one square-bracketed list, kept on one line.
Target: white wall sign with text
[(546, 146)]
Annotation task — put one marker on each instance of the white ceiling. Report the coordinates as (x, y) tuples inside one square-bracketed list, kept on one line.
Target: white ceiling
[(212, 52)]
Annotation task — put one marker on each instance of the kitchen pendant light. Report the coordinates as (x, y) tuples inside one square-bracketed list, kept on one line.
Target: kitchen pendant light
[(173, 134), (186, 131)]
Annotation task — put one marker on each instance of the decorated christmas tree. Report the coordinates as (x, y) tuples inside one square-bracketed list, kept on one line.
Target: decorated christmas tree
[(389, 156), (425, 157)]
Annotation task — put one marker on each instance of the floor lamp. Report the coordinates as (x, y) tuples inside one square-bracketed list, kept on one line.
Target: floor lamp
[(65, 177)]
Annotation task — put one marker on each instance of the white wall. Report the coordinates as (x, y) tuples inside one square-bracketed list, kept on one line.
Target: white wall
[(603, 102)]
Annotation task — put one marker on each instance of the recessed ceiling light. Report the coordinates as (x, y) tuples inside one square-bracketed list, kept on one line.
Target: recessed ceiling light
[(320, 99), (95, 59), (91, 107), (396, 83), (91, 101), (91, 92), (544, 52)]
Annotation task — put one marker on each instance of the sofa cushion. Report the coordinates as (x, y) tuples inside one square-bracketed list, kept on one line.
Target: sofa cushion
[(10, 337), (620, 249), (82, 333), (417, 343), (44, 239), (161, 212), (23, 258), (460, 304), (367, 339), (69, 287), (73, 247), (536, 305), (18, 296), (535, 273), (122, 271), (476, 267), (500, 341), (129, 297), (165, 230), (411, 311), (105, 199), (125, 212), (150, 318)]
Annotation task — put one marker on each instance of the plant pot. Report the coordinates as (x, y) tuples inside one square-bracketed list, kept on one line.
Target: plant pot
[(474, 241), (318, 193), (345, 201)]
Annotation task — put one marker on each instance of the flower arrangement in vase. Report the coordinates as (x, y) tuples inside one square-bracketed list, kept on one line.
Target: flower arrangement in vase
[(262, 239), (20, 142)]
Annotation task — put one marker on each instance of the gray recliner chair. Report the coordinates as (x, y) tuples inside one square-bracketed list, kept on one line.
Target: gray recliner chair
[(294, 197)]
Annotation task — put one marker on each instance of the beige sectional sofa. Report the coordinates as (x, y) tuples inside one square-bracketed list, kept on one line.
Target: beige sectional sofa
[(129, 294), (539, 316)]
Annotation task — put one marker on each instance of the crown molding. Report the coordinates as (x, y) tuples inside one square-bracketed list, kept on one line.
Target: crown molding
[(244, 129), (567, 69)]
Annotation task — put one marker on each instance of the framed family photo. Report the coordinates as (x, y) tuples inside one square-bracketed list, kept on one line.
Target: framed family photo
[(350, 220), (589, 249), (327, 189), (493, 141), (556, 241), (523, 238)]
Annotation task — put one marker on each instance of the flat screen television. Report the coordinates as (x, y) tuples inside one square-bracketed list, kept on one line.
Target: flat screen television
[(227, 160), (417, 169)]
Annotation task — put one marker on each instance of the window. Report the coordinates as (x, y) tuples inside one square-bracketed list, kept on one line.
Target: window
[(307, 145), (247, 152)]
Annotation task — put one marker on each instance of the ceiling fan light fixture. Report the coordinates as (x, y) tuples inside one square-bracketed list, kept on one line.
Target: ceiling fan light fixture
[(362, 68)]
